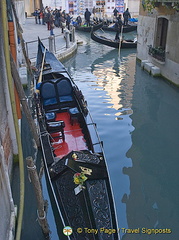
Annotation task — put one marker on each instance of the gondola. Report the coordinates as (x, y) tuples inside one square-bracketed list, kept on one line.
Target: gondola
[(89, 29), (75, 165), (113, 43), (128, 28)]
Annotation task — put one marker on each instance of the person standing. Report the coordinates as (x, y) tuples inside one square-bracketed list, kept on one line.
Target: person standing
[(39, 16), (42, 15), (87, 17), (126, 16), (51, 24), (79, 20), (57, 18), (36, 15), (115, 12), (62, 22), (48, 16), (94, 11), (118, 26), (68, 20)]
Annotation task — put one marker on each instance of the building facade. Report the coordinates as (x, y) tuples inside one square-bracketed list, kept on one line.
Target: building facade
[(158, 37), (77, 7), (8, 144)]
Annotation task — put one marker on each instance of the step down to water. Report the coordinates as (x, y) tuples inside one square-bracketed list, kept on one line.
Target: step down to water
[(148, 66), (155, 71), (151, 68)]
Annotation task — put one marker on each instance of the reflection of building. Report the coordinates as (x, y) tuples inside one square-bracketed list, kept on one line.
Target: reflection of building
[(157, 28)]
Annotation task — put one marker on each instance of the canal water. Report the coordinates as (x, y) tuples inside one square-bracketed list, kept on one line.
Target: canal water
[(137, 120)]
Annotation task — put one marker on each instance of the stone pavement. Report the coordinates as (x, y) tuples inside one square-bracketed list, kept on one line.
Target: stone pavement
[(31, 32)]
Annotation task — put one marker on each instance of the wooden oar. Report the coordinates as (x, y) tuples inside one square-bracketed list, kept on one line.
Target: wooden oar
[(120, 39), (42, 66), (102, 30)]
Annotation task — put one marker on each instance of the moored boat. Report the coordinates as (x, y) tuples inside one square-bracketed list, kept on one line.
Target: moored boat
[(113, 43), (128, 28), (75, 164), (89, 29)]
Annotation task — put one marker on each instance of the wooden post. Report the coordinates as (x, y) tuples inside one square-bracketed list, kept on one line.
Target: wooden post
[(73, 34), (38, 192), (23, 101), (67, 36), (51, 44)]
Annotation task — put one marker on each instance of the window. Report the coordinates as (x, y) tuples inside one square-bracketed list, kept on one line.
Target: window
[(161, 34), (158, 50)]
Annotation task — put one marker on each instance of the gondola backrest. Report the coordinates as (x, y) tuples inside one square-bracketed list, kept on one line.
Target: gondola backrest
[(48, 93), (64, 90)]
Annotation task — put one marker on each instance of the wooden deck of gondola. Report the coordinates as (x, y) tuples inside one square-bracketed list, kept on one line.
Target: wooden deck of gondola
[(74, 138)]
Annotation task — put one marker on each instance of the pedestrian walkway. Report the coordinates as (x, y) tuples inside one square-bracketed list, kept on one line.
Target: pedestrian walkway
[(31, 32)]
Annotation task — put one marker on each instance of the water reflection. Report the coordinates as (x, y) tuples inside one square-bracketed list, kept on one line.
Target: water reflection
[(154, 180), (141, 148), (108, 86), (111, 69)]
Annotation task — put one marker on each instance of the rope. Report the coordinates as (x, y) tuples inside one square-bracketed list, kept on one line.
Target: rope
[(41, 218), (31, 168)]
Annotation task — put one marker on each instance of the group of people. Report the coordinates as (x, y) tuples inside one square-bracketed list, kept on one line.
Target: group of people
[(59, 18), (119, 23), (52, 18), (87, 16), (126, 15)]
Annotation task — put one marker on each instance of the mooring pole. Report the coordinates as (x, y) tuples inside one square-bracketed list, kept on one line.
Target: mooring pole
[(38, 192)]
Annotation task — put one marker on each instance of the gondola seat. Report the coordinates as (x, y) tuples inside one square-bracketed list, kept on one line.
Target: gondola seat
[(65, 91), (56, 127), (48, 94), (50, 116), (74, 114)]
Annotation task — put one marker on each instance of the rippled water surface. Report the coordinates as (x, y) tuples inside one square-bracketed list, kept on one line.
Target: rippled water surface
[(137, 118)]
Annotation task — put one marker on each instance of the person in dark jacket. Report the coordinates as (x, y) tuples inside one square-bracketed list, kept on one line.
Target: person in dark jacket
[(87, 17), (126, 16), (118, 25), (48, 16), (36, 13), (115, 12), (68, 21), (51, 24), (79, 21)]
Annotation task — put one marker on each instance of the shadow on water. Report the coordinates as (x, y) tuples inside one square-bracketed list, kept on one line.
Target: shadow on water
[(136, 116), (154, 180), (30, 227)]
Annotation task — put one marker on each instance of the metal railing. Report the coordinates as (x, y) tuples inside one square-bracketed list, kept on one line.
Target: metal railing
[(157, 53), (57, 44), (32, 46)]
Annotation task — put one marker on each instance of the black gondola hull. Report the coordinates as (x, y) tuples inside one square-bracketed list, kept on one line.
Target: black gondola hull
[(90, 28), (112, 43), (90, 205), (126, 29)]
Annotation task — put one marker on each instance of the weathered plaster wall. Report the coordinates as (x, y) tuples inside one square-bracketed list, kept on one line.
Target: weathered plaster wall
[(173, 39), (6, 149), (20, 9), (146, 36)]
